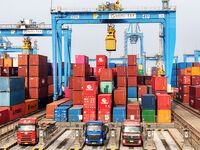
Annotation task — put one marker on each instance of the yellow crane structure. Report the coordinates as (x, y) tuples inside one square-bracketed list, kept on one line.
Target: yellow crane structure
[(108, 6), (111, 38)]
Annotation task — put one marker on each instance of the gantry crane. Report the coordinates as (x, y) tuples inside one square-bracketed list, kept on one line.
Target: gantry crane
[(194, 56)]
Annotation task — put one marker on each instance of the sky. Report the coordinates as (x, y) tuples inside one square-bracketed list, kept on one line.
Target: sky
[(90, 39)]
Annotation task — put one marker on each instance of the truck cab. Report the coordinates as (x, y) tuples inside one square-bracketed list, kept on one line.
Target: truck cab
[(27, 131), (132, 133), (95, 132)]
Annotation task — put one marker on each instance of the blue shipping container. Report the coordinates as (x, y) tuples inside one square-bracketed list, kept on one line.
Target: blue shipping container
[(8, 84), (12, 98), (182, 65), (189, 64), (119, 114), (75, 113), (112, 65), (148, 101), (132, 92), (61, 113)]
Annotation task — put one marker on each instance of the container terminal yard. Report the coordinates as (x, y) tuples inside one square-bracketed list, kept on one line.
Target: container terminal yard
[(100, 102)]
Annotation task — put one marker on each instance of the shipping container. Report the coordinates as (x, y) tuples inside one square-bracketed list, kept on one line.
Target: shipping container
[(159, 83), (133, 111), (195, 80), (196, 64), (81, 70), (71, 82), (50, 80), (101, 60), (1, 62), (142, 89), (77, 97), (11, 84), (90, 88), (120, 96), (23, 71), (140, 80), (37, 82), (119, 114), (195, 91), (163, 101), (105, 101), (78, 83), (184, 89), (67, 103), (9, 71), (132, 92), (75, 113), (121, 81), (164, 116), (121, 71), (112, 65), (130, 100), (4, 115), (106, 75), (38, 92), (182, 65), (50, 107), (184, 98), (16, 111), (132, 71), (38, 71), (36, 60), (81, 59), (61, 114), (104, 115), (148, 116), (23, 60), (106, 87), (132, 60), (90, 101), (184, 80), (31, 105), (8, 62), (148, 101), (132, 81)]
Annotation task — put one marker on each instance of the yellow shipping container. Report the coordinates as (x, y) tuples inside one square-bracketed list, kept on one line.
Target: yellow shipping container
[(8, 62), (164, 116), (195, 71)]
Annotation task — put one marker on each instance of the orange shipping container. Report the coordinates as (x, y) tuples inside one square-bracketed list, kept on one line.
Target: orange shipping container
[(188, 71), (31, 105), (16, 111), (8, 62), (50, 107), (164, 116)]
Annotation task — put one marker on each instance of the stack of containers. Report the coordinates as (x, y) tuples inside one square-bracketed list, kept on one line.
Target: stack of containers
[(194, 100), (184, 84), (159, 84), (163, 108), (148, 108), (174, 75), (61, 112), (38, 72), (101, 63), (142, 88), (12, 96), (81, 70), (90, 91), (132, 78), (75, 113)]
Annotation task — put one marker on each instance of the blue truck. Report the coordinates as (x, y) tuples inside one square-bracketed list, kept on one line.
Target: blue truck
[(95, 132)]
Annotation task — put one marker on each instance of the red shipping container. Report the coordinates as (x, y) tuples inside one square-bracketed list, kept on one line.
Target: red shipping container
[(98, 69), (197, 104), (89, 111), (196, 64), (78, 83), (132, 60), (71, 94), (142, 89), (38, 71), (23, 71), (147, 80), (184, 89), (163, 101), (133, 111), (81, 70), (184, 80), (132, 71), (106, 75), (89, 101), (9, 71), (81, 59), (121, 71), (114, 70), (51, 90), (50, 80), (181, 72), (104, 101), (35, 60), (104, 115), (121, 81), (195, 80), (4, 115), (195, 91), (184, 98), (71, 82), (23, 60), (140, 80), (77, 97), (90, 88), (120, 96), (1, 62), (101, 60), (159, 83), (16, 111), (158, 92), (37, 82), (192, 102), (132, 81), (89, 117), (38, 92)]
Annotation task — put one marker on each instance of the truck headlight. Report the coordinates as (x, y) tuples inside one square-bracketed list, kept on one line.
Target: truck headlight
[(86, 139), (101, 139)]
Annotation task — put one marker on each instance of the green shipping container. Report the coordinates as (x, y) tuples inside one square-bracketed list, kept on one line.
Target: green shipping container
[(132, 100), (149, 116), (140, 72), (106, 87)]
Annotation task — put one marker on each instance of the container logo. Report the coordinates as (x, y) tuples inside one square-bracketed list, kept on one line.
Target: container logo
[(100, 59), (89, 87), (104, 101)]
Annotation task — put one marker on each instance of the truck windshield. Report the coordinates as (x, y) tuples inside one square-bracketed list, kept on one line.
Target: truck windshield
[(131, 129), (26, 128), (93, 128)]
